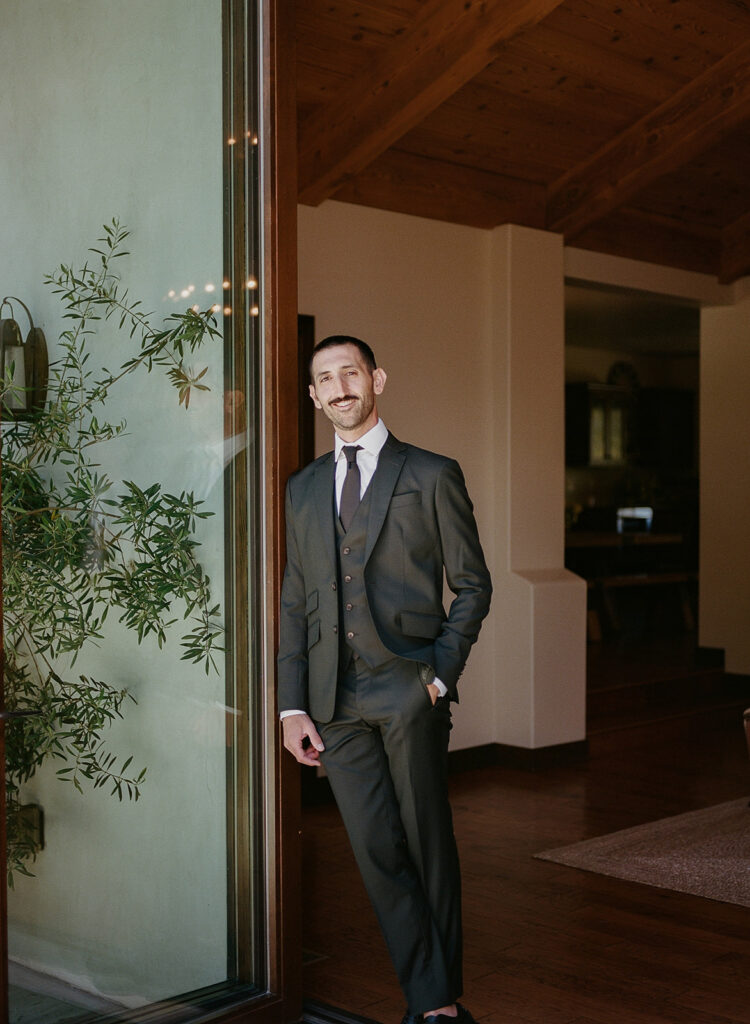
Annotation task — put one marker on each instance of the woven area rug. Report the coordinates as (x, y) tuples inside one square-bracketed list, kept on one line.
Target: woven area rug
[(706, 853)]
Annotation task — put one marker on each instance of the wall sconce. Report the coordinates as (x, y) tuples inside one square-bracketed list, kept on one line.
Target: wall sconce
[(29, 361)]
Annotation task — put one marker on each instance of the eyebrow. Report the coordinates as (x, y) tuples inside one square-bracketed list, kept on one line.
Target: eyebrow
[(346, 366)]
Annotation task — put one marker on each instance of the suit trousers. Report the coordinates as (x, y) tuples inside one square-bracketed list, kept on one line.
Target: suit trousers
[(386, 760)]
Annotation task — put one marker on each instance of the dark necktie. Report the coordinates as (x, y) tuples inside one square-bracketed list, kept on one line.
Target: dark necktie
[(350, 490)]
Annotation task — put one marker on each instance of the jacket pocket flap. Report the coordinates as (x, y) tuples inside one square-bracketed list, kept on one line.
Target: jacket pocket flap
[(312, 602), (421, 624), (313, 633)]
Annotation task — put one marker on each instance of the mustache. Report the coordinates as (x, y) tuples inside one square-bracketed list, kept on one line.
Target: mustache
[(343, 398)]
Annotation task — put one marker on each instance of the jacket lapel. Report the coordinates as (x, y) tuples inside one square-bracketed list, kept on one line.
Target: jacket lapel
[(390, 463), (323, 484)]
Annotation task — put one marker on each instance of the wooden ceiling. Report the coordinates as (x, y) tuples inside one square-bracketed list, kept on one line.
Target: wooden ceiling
[(622, 124)]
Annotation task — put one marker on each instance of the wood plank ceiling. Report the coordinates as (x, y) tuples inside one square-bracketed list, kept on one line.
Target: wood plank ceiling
[(622, 124)]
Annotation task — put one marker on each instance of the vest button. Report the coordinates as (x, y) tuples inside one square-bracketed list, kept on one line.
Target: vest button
[(347, 579), (347, 551), (335, 629), (350, 636), (349, 607), (333, 586)]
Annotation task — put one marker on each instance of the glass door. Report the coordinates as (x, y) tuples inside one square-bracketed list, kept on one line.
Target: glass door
[(131, 509)]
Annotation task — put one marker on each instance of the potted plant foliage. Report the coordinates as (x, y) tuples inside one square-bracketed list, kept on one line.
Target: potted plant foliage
[(76, 549)]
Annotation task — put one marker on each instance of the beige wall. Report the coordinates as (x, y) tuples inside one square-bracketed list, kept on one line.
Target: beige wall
[(540, 631), (725, 483), (417, 291), (470, 326)]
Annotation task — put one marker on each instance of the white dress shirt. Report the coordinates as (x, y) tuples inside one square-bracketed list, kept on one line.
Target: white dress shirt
[(367, 460)]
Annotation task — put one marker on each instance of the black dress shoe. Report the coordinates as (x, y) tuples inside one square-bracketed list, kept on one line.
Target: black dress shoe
[(412, 1018), (462, 1017)]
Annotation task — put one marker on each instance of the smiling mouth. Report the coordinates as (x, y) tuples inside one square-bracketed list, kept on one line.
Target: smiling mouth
[(337, 402)]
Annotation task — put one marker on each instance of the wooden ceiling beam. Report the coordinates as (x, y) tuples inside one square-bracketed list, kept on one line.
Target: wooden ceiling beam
[(690, 121), (735, 250), (408, 183), (449, 43), (647, 237)]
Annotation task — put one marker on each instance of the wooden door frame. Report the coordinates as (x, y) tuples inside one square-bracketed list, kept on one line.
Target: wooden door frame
[(283, 1002), (282, 399)]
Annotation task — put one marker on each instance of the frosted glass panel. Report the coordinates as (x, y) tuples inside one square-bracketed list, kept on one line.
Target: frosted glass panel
[(119, 128)]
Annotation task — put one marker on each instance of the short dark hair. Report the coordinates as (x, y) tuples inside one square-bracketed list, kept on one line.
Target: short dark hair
[(345, 339)]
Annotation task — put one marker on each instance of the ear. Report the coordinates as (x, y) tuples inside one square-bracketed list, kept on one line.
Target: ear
[(315, 397), (378, 380)]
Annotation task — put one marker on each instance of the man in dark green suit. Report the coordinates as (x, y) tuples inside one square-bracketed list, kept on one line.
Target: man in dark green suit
[(369, 660)]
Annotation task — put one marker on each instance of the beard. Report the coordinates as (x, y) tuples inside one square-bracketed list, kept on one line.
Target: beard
[(353, 416)]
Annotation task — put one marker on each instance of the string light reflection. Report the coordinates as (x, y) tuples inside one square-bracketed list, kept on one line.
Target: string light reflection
[(177, 295)]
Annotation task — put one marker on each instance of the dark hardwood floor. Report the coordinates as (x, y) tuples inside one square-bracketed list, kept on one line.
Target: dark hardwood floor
[(546, 943)]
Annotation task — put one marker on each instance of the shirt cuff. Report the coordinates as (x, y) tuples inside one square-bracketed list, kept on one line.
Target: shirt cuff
[(442, 688), (286, 714)]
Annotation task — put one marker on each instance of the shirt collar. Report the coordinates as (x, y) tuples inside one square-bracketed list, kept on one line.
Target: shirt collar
[(372, 441)]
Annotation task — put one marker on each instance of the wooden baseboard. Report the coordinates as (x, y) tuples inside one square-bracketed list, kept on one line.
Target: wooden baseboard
[(737, 685), (482, 756), (504, 755), (709, 657)]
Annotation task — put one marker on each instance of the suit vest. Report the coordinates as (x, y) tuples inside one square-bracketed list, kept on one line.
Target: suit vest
[(357, 629)]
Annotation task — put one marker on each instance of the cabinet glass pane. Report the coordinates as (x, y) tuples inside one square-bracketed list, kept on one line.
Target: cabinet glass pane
[(598, 437)]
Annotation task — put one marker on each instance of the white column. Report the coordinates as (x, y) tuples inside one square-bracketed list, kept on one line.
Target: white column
[(540, 608)]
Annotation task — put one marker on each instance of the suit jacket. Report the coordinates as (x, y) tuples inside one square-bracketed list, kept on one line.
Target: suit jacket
[(421, 523)]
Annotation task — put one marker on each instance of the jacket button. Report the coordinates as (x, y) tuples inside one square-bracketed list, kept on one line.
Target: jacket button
[(350, 636), (347, 579), (347, 550), (335, 629), (333, 586), (349, 607)]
